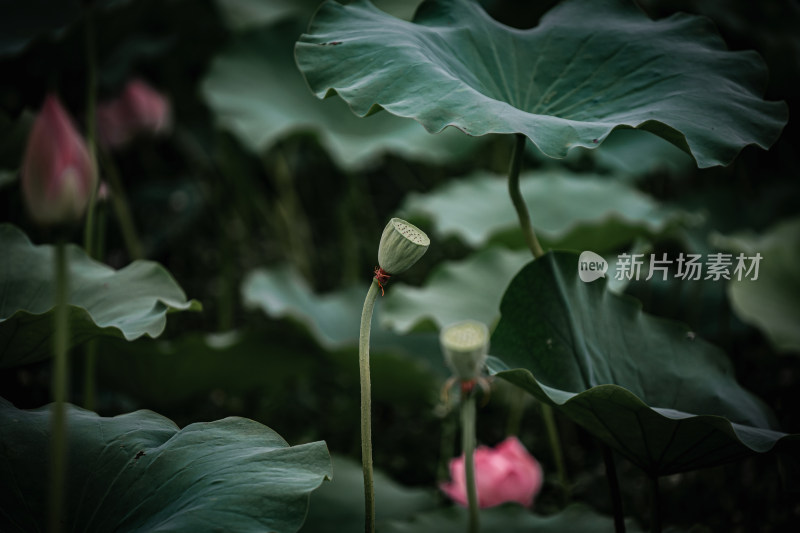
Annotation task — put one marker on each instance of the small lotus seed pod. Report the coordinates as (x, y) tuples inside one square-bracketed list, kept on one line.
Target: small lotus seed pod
[(402, 244), (465, 346)]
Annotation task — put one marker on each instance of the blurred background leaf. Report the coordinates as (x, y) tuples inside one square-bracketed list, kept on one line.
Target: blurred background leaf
[(455, 291), (568, 211), (770, 302), (126, 303), (256, 92)]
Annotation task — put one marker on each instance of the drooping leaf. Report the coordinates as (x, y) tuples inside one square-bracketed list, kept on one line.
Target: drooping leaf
[(339, 505), (256, 92), (659, 395), (772, 301), (576, 518), (140, 472), (332, 319), (567, 211), (455, 291), (128, 303), (589, 66)]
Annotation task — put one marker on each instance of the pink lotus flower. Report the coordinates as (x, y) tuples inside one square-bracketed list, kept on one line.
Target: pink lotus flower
[(506, 473), (57, 173), (140, 109)]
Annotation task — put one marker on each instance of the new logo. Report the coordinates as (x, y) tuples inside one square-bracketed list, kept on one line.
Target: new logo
[(591, 266)]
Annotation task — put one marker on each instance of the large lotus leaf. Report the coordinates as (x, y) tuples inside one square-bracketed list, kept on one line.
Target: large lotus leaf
[(772, 301), (589, 66), (339, 505), (140, 472), (567, 210), (128, 303), (648, 387), (576, 518), (455, 291), (256, 92)]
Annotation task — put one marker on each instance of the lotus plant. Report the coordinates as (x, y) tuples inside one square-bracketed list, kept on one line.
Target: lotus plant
[(401, 245), (58, 180), (465, 346)]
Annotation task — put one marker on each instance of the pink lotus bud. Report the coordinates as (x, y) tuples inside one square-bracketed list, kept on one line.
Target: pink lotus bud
[(57, 173), (506, 473), (140, 109)]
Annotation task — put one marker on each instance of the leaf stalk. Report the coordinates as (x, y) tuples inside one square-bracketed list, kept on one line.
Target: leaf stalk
[(468, 446), (366, 407), (518, 201), (58, 429)]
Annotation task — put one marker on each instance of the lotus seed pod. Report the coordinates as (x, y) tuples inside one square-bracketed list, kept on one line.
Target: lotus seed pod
[(465, 346), (402, 244)]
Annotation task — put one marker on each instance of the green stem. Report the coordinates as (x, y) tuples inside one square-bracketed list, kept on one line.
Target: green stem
[(91, 135), (58, 442), (468, 446), (555, 447), (655, 507), (613, 485), (366, 407), (121, 208), (518, 201)]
